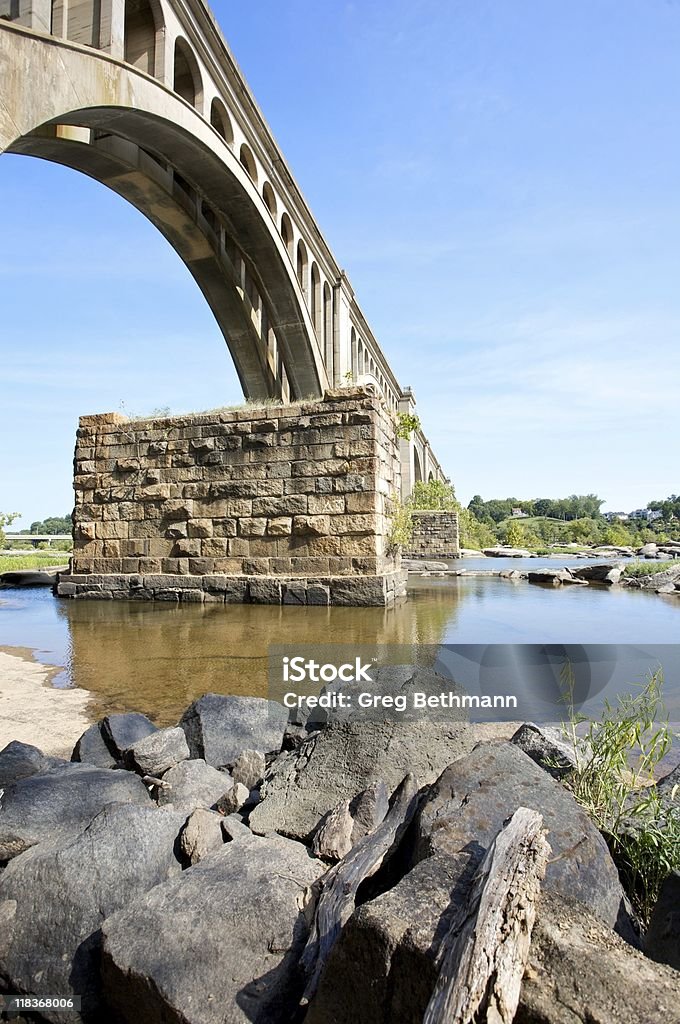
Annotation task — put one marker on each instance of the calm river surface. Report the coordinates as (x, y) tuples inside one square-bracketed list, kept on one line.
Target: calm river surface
[(156, 658)]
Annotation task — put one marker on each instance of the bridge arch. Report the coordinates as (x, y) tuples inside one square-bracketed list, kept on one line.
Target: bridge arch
[(146, 143), (144, 24), (248, 160), (186, 76), (221, 122)]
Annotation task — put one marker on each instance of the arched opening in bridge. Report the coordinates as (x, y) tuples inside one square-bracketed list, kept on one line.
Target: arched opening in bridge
[(248, 160), (269, 198), (417, 468), (219, 119), (287, 234), (430, 477), (354, 353), (315, 298), (301, 268), (140, 35), (328, 332), (360, 358), (186, 79)]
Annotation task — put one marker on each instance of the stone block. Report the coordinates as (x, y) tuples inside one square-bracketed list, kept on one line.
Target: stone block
[(327, 504), (318, 526), (252, 527), (281, 526)]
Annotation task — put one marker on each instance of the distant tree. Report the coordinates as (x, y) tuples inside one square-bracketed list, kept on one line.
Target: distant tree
[(434, 494), (52, 525), (6, 519)]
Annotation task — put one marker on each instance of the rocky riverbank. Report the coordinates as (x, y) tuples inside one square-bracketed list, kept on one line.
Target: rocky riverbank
[(247, 866), (33, 711)]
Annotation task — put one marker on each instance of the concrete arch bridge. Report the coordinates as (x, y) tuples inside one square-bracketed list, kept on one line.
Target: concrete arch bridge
[(145, 97)]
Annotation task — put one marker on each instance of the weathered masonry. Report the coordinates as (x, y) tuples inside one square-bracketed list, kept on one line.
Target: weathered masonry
[(435, 535), (274, 504)]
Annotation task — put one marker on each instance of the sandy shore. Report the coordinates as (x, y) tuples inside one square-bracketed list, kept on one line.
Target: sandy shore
[(33, 711)]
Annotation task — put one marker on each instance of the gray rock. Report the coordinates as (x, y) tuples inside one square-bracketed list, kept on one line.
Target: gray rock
[(55, 897), (219, 945), (549, 577), (350, 821), (92, 749), (61, 801), (424, 565), (158, 751), (19, 760), (383, 967), (219, 728), (193, 784), (506, 553), (233, 827), (547, 746), (201, 835), (580, 973), (233, 800), (662, 940), (606, 573), (472, 799), (346, 758), (249, 768), (648, 550), (121, 732)]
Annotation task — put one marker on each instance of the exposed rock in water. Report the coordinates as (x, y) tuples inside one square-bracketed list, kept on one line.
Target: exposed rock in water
[(506, 553), (67, 798), (55, 897), (606, 573), (549, 577), (218, 945), (219, 728)]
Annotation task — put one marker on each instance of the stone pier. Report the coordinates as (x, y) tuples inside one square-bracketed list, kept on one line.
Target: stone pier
[(273, 504), (435, 535)]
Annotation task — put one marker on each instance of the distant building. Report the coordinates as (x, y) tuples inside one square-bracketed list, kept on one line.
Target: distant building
[(646, 514), (613, 517), (518, 513)]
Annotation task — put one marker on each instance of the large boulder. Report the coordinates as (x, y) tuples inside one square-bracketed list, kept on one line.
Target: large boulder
[(91, 748), (383, 968), (201, 835), (55, 897), (193, 784), (549, 577), (606, 573), (19, 760), (61, 802), (347, 757), (218, 945), (160, 750), (469, 803), (121, 732), (218, 729), (548, 747)]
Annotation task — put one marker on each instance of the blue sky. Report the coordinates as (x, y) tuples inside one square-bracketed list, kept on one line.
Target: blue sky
[(499, 178)]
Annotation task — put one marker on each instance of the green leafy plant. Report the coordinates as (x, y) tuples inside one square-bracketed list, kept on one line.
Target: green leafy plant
[(407, 423), (614, 780), (435, 494), (401, 524), (647, 568)]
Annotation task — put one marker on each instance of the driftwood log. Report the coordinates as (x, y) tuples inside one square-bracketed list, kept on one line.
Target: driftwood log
[(483, 956), (338, 887)]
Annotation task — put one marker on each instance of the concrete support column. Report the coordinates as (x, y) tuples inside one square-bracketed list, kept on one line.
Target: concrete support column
[(342, 329), (112, 28), (60, 18), (35, 14), (407, 404), (165, 57)]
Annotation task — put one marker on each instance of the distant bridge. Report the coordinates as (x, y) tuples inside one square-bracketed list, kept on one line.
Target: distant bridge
[(33, 539), (145, 97)]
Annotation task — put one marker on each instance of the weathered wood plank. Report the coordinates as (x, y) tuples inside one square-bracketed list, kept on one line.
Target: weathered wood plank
[(338, 887), (483, 956)]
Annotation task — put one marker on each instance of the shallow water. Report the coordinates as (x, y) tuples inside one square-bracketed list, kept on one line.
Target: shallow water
[(157, 658)]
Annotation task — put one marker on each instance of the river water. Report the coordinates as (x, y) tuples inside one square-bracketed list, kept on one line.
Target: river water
[(156, 658)]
